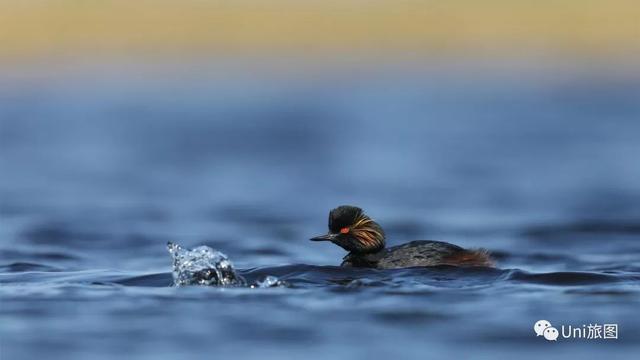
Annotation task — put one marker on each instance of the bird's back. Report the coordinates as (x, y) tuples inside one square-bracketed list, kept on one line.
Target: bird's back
[(420, 253)]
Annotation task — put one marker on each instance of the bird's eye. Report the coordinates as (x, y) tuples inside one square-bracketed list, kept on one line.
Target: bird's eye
[(344, 230)]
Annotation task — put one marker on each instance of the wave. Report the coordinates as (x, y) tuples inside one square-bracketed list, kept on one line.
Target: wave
[(309, 276)]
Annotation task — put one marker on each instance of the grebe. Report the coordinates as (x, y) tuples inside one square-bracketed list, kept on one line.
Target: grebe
[(351, 229)]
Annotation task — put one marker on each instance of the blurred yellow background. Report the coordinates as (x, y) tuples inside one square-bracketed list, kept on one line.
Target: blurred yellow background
[(36, 29)]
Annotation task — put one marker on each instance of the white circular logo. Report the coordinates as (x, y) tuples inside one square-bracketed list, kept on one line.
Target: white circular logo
[(551, 334), (540, 326)]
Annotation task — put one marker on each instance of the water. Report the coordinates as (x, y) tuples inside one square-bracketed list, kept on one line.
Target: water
[(100, 169), (202, 266)]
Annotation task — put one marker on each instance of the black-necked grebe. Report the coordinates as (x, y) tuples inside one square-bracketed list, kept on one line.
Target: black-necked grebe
[(364, 239)]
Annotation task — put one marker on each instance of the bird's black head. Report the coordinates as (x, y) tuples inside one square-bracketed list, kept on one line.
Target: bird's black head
[(353, 231)]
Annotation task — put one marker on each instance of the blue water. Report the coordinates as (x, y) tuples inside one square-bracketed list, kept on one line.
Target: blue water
[(100, 168)]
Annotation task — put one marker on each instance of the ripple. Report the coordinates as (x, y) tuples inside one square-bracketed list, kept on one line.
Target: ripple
[(55, 233), (41, 255), (427, 280), (582, 227), (410, 317), (565, 278), (26, 266), (149, 280)]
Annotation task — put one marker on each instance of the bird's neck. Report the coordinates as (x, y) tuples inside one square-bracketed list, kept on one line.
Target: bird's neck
[(362, 259), (365, 252)]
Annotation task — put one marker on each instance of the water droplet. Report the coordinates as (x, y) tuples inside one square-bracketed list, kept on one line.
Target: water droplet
[(202, 266), (267, 282)]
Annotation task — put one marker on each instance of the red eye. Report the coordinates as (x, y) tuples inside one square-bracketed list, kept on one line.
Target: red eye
[(344, 230)]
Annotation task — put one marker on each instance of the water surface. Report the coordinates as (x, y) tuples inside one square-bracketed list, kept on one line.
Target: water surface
[(100, 170)]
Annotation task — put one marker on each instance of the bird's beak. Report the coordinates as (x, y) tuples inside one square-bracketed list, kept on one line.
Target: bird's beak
[(326, 237)]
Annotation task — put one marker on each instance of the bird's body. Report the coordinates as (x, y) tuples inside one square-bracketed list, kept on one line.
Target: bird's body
[(419, 253), (364, 239)]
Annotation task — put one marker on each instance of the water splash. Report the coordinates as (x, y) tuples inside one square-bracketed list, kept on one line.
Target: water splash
[(205, 266), (268, 281), (202, 266)]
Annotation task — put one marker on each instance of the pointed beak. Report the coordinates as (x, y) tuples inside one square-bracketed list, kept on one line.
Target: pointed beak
[(327, 237)]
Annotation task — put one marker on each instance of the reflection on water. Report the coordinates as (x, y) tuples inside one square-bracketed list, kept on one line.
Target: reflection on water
[(99, 171)]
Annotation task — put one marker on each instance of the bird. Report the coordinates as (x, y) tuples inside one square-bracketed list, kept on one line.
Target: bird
[(364, 240)]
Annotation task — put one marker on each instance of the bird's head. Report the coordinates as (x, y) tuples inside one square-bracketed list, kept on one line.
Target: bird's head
[(353, 231)]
